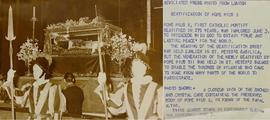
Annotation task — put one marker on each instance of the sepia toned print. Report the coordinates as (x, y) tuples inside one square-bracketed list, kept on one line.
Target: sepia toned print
[(87, 59)]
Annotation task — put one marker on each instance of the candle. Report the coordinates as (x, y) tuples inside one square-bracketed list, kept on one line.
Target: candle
[(34, 12), (10, 34), (96, 9)]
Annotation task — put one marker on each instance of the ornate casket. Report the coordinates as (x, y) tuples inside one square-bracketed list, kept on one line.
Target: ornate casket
[(73, 44)]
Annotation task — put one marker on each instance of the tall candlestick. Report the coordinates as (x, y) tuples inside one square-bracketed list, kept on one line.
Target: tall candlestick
[(34, 12), (96, 10), (34, 19), (10, 37)]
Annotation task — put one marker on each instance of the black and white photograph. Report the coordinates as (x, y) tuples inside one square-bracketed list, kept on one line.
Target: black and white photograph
[(81, 59)]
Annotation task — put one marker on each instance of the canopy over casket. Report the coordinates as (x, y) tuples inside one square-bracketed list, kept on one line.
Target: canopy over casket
[(73, 44)]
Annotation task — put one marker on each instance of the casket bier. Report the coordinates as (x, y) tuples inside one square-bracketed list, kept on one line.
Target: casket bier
[(73, 44)]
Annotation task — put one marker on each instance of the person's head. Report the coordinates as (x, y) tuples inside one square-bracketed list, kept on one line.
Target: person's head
[(41, 68), (140, 65), (69, 77)]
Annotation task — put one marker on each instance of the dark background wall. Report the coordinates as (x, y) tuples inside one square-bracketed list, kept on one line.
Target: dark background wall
[(132, 21)]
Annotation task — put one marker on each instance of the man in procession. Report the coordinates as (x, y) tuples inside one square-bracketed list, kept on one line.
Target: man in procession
[(140, 98), (44, 99)]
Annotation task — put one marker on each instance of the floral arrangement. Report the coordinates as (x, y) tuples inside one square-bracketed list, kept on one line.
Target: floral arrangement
[(70, 23), (121, 47), (82, 21), (28, 51)]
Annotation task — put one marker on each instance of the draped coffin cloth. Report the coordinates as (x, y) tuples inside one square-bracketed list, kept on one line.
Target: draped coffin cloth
[(76, 64), (83, 65), (92, 102)]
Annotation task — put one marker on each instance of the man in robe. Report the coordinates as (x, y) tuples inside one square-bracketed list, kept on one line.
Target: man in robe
[(44, 99), (140, 98)]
